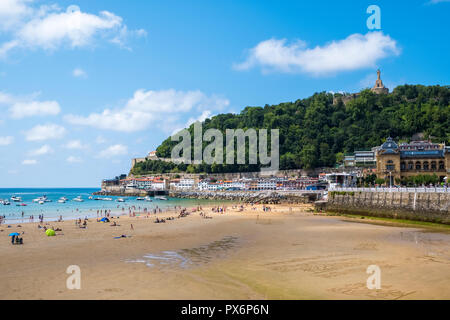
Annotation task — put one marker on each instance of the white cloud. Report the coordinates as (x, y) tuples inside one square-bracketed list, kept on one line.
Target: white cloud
[(79, 73), (21, 110), (12, 12), (21, 107), (49, 28), (113, 151), (73, 159), (45, 132), (46, 149), (6, 98), (205, 115), (29, 162), (6, 141), (121, 38), (151, 107), (75, 144), (357, 51)]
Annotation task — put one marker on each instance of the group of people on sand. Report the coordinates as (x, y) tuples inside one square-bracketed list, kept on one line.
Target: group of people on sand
[(16, 240), (204, 216), (183, 213), (164, 220), (81, 225), (220, 210), (50, 228)]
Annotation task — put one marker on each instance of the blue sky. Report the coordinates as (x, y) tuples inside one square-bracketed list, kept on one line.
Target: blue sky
[(87, 85)]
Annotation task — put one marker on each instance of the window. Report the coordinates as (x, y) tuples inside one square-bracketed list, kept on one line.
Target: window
[(410, 165), (418, 165), (433, 165), (441, 165), (402, 166), (426, 166), (390, 167)]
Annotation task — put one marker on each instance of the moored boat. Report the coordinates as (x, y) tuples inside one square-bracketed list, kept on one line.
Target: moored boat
[(78, 199)]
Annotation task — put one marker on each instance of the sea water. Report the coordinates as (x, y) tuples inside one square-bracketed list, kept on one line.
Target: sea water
[(73, 209)]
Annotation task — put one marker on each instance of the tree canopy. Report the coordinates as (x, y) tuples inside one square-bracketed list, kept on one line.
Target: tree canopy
[(315, 132)]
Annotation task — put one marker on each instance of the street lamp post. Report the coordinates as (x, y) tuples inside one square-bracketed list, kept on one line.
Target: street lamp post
[(390, 179)]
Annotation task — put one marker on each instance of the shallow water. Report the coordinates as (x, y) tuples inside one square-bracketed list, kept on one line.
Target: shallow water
[(74, 210), (186, 258)]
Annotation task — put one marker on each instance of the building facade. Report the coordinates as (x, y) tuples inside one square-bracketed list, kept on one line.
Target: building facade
[(398, 162)]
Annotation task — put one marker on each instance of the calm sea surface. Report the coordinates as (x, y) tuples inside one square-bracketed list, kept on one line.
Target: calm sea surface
[(73, 209)]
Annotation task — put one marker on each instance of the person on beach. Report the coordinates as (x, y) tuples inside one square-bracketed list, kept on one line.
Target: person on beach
[(132, 228)]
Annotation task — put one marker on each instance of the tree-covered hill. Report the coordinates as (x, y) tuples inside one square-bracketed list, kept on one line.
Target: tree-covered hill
[(315, 132)]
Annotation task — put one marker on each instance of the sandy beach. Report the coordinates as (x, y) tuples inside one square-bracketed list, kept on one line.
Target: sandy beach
[(281, 254)]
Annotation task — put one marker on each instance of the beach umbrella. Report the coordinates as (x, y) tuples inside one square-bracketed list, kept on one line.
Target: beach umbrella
[(50, 233), (104, 220), (14, 234)]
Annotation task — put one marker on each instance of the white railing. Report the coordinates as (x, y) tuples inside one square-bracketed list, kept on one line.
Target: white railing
[(395, 189)]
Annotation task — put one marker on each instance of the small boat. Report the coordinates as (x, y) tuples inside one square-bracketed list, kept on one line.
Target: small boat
[(43, 198), (148, 199), (21, 205), (161, 198), (4, 202), (78, 199), (107, 199), (16, 199), (41, 202), (90, 198), (62, 200), (98, 199), (140, 199), (120, 200)]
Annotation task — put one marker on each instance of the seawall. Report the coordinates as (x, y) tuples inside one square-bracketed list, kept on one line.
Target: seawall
[(262, 197), (422, 206)]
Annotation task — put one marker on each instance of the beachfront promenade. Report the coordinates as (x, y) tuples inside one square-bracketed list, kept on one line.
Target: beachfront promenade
[(395, 189)]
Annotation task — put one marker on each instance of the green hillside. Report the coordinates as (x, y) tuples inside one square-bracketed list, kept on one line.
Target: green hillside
[(314, 132)]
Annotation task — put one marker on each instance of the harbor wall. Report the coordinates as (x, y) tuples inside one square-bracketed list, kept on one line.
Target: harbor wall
[(261, 197), (422, 206)]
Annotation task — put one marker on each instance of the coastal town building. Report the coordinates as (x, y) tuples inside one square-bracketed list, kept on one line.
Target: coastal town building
[(183, 184), (341, 179), (396, 162), (145, 183), (361, 159)]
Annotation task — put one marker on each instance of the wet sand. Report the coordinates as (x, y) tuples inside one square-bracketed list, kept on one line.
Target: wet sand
[(253, 254)]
